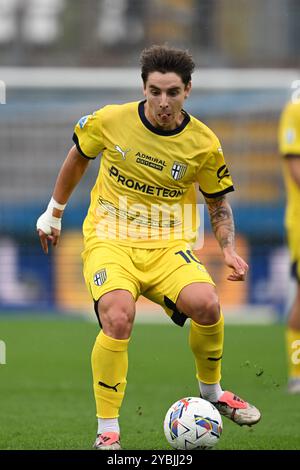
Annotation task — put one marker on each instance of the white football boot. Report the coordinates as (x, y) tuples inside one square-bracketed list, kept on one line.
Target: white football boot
[(236, 409)]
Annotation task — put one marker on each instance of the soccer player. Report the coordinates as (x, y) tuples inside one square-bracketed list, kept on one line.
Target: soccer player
[(138, 231), (289, 144)]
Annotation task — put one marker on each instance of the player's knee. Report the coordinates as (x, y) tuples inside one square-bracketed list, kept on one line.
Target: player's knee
[(209, 312), (205, 311), (118, 322), (121, 324), (116, 317)]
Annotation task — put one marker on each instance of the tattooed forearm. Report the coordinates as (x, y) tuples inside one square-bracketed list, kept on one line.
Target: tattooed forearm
[(221, 220)]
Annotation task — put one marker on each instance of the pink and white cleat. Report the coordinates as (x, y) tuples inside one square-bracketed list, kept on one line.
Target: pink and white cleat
[(236, 409), (108, 441)]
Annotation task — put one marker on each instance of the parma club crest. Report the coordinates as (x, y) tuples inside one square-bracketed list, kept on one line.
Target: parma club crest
[(100, 277), (178, 170)]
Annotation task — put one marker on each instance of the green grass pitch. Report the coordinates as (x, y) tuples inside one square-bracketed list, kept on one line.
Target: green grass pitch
[(46, 384)]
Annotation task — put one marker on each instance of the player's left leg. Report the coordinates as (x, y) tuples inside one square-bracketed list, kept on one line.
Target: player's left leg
[(185, 289), (199, 301)]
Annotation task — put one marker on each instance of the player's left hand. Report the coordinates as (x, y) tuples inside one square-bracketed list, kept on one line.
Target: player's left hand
[(237, 264)]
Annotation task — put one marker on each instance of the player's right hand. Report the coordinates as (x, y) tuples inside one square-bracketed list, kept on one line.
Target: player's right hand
[(48, 228)]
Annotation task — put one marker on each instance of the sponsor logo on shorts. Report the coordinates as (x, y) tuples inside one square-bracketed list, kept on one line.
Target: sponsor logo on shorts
[(201, 268), (100, 277)]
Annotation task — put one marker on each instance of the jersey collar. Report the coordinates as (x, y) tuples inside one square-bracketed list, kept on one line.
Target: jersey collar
[(151, 128)]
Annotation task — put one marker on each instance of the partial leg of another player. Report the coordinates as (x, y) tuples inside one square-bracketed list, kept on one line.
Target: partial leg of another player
[(199, 301), (293, 345)]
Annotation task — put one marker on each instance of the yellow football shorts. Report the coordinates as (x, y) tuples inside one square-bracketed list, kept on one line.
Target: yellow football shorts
[(158, 274)]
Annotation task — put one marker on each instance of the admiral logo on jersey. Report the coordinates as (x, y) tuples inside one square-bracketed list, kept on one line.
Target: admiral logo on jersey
[(148, 160)]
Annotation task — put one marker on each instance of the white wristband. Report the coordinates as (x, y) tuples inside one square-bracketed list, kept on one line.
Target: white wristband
[(53, 204)]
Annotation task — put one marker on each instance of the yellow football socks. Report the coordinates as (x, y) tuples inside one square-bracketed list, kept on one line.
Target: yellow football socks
[(206, 342), (293, 350), (109, 366)]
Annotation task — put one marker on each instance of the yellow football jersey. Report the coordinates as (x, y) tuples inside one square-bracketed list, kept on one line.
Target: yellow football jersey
[(289, 144), (145, 195)]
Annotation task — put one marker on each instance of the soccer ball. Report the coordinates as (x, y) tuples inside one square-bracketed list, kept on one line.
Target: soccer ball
[(193, 423)]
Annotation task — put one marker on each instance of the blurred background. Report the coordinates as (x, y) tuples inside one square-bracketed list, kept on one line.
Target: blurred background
[(62, 59)]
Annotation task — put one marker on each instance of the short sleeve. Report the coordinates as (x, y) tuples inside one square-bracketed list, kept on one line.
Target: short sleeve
[(88, 135), (213, 177), (289, 130)]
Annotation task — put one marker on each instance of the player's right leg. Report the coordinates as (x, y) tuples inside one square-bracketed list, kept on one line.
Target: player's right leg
[(116, 311), (110, 278)]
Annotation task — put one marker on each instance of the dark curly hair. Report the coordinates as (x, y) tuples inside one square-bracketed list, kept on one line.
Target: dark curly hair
[(167, 59)]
